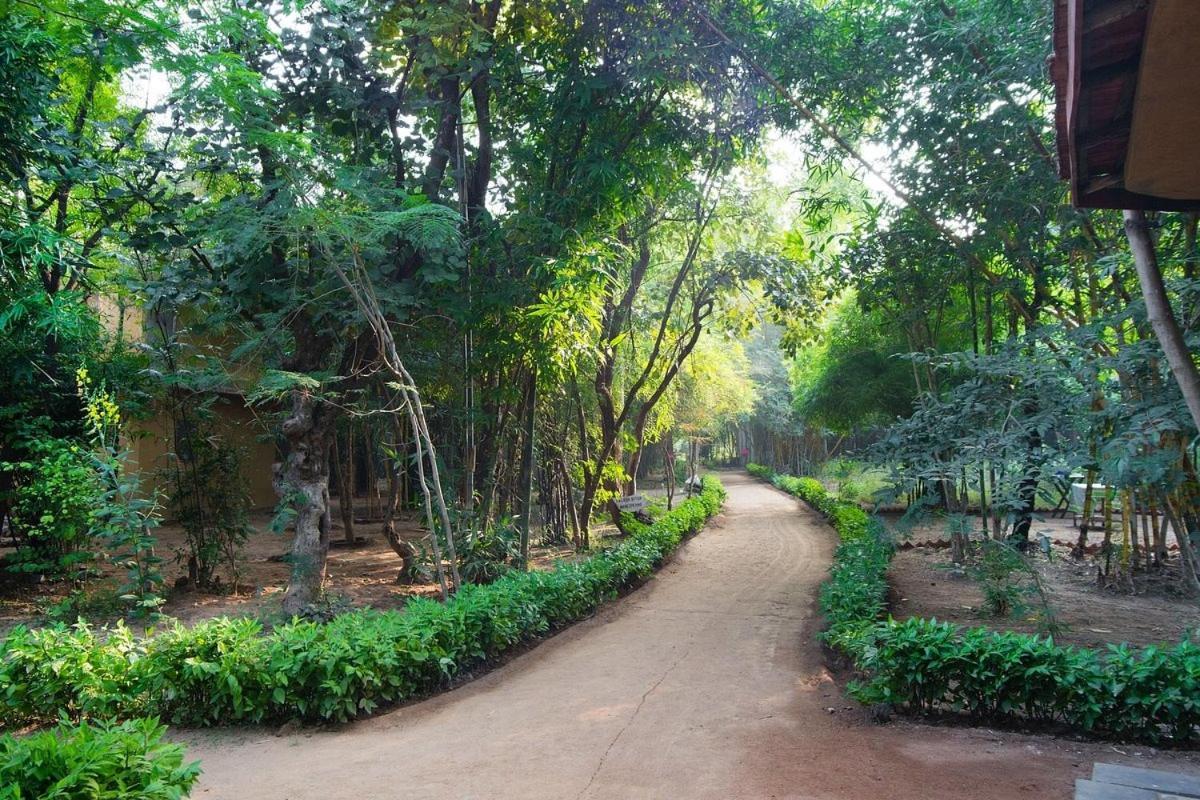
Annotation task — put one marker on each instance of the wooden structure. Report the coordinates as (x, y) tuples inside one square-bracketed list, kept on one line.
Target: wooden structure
[(1112, 782), (1127, 86)]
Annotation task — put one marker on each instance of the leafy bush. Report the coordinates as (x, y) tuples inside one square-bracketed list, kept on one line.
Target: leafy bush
[(490, 553), (223, 671), (104, 761), (206, 494), (73, 671), (924, 665), (101, 602), (51, 514), (759, 471), (1011, 586), (125, 514)]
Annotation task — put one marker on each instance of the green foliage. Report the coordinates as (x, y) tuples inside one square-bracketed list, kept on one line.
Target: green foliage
[(714, 389), (98, 761), (73, 672), (73, 499), (1011, 586), (124, 514), (55, 494), (760, 471), (223, 671), (852, 378), (86, 603), (124, 518), (68, 159), (925, 665), (208, 496), (44, 339), (998, 572), (490, 553)]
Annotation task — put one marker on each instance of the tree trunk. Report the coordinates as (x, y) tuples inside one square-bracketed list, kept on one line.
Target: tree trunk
[(303, 481), (1088, 503), (345, 464), (396, 472), (527, 465), (1186, 555), (572, 514), (668, 448), (1158, 309), (587, 505), (635, 461), (1027, 490)]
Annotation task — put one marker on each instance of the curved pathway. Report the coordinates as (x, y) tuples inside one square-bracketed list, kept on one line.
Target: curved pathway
[(705, 683)]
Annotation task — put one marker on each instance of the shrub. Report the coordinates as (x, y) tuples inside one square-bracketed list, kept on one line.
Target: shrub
[(52, 508), (206, 494), (924, 665), (200, 675), (125, 514), (490, 553), (105, 761), (68, 671), (760, 471), (223, 671)]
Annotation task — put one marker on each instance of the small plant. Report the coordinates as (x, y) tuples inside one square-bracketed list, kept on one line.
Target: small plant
[(1012, 586), (490, 553), (327, 607), (55, 493), (851, 491), (100, 761), (207, 496), (1003, 577), (81, 604), (124, 515)]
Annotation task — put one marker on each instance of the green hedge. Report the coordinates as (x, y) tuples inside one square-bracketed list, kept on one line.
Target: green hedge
[(226, 670), (95, 762), (1152, 694)]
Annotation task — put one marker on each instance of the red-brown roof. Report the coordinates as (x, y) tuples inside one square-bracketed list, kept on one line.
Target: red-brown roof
[(1098, 55)]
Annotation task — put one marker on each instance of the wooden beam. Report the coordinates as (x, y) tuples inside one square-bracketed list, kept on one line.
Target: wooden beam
[(1073, 81), (1113, 12)]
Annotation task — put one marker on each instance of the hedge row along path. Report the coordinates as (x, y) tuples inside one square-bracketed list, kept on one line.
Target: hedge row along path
[(705, 683)]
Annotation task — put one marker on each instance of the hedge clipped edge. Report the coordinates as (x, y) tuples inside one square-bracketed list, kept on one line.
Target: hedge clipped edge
[(923, 665), (225, 671)]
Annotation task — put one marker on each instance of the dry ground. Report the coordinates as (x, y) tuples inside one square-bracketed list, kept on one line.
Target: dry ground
[(360, 575), (924, 584), (707, 682)]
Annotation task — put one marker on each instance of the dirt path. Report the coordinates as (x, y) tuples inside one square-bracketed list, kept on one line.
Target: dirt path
[(705, 683)]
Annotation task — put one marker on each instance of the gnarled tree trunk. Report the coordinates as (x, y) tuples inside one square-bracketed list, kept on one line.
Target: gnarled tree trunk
[(303, 481)]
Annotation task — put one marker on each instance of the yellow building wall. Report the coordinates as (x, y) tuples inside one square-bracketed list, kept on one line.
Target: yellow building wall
[(239, 426), (150, 440)]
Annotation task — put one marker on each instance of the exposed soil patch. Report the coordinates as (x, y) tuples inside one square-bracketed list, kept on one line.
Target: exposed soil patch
[(925, 584), (360, 575)]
